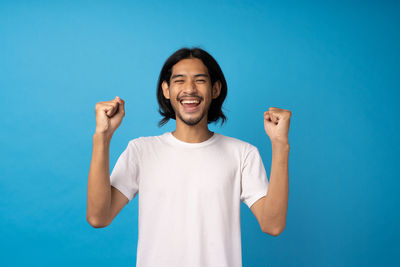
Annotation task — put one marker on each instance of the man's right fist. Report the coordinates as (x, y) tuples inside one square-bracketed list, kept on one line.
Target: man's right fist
[(109, 115)]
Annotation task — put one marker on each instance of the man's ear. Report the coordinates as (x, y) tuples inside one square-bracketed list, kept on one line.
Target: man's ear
[(216, 90), (165, 89)]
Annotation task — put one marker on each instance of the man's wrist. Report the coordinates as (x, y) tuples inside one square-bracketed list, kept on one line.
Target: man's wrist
[(100, 137), (280, 152), (277, 145)]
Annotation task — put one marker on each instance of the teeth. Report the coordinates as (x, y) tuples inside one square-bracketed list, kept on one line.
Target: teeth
[(190, 101)]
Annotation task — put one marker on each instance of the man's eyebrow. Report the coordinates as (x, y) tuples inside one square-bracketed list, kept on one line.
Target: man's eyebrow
[(201, 75), (196, 75)]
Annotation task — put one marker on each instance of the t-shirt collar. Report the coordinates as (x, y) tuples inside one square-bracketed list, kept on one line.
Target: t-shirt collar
[(172, 139)]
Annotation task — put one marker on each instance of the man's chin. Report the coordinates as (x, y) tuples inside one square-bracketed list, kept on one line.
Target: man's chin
[(190, 121)]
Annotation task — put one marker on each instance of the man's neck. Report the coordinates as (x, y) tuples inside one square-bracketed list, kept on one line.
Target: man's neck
[(192, 134)]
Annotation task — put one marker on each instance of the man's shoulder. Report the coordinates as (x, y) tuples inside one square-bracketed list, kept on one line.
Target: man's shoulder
[(146, 139), (225, 140), (234, 141)]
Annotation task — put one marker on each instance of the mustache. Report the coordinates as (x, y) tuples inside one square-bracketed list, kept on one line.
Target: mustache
[(192, 96)]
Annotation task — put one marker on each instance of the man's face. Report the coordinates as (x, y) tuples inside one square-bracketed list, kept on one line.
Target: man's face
[(190, 90)]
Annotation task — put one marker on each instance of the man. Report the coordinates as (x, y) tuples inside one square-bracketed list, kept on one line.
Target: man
[(190, 181)]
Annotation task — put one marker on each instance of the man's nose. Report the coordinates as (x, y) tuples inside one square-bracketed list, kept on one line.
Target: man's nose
[(190, 86)]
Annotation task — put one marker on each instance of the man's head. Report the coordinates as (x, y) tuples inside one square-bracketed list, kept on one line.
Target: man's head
[(191, 86)]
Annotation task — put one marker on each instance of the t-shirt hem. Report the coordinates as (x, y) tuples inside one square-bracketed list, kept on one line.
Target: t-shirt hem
[(256, 197), (123, 190)]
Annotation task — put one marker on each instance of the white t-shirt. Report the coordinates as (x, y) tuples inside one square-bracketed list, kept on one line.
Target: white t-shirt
[(189, 197)]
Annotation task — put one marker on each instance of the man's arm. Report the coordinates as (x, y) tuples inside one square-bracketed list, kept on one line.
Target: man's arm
[(103, 201), (271, 210)]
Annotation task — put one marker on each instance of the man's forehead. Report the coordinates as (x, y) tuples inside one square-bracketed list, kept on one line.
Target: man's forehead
[(190, 66)]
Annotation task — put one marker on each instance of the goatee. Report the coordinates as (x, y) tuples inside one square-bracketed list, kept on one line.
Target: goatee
[(191, 122)]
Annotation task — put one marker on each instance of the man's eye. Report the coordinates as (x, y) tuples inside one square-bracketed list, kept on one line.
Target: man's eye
[(178, 81), (201, 80)]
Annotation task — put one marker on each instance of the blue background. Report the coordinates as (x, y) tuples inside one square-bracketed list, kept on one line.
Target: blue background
[(335, 65)]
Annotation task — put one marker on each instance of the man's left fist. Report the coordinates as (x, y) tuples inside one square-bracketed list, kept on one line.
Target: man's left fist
[(276, 124)]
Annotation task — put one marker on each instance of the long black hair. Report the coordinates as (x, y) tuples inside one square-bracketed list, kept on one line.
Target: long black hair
[(215, 111)]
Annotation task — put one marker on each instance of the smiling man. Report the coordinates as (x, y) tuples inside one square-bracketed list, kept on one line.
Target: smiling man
[(190, 182)]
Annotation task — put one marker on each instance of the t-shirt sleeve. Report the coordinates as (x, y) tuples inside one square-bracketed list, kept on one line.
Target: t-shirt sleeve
[(254, 182), (124, 176)]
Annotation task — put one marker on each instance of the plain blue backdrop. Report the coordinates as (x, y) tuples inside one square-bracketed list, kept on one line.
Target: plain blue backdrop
[(335, 65)]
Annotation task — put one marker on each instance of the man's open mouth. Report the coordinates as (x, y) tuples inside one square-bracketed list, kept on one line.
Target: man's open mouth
[(190, 105)]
